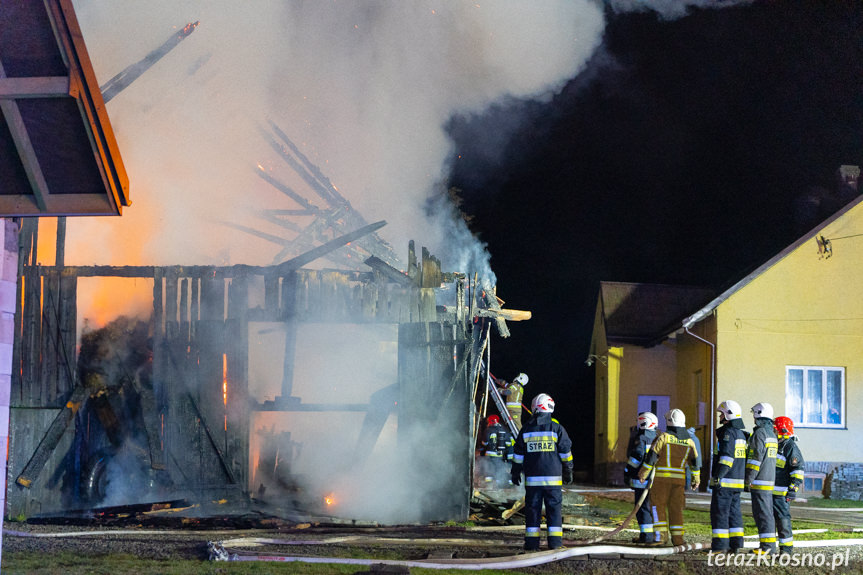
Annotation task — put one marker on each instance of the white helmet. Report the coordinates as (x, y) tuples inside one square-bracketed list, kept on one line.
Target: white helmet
[(542, 403), (730, 409), (675, 418), (521, 378), (647, 420), (762, 410)]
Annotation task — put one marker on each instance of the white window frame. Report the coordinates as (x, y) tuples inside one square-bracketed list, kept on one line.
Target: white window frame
[(823, 369)]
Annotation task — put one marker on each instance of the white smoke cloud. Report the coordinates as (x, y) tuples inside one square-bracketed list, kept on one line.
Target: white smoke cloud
[(365, 89)]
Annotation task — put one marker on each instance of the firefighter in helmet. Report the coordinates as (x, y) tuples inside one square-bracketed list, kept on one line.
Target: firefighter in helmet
[(543, 452), (761, 453), (669, 455), (789, 480), (642, 436), (513, 393), (726, 479), (496, 451)]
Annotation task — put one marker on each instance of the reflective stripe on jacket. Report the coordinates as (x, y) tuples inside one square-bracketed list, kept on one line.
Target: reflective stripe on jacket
[(761, 456), (789, 464), (543, 448), (671, 455), (729, 457)]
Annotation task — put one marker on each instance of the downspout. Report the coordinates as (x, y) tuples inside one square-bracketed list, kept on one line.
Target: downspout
[(710, 438)]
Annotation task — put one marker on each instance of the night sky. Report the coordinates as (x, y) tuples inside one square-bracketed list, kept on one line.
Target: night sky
[(687, 152)]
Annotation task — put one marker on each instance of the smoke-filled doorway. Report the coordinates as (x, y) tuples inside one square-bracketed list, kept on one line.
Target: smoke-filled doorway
[(325, 418)]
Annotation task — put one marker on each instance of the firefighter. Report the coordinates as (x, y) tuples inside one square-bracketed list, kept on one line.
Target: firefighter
[(789, 479), (726, 479), (496, 450), (761, 452), (642, 435), (513, 393), (669, 455), (543, 452)]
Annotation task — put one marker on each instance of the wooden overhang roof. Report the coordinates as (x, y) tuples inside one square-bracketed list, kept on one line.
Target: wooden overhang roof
[(58, 154), (645, 314)]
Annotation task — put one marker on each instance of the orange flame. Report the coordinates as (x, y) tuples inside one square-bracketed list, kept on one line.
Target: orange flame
[(330, 499)]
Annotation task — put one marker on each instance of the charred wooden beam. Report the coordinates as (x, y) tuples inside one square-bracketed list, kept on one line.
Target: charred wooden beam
[(288, 191), (52, 437), (507, 314), (122, 80), (388, 271), (322, 250), (312, 168), (493, 304)]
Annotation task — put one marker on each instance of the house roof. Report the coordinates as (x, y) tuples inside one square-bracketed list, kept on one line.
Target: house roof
[(58, 154), (644, 314), (714, 303)]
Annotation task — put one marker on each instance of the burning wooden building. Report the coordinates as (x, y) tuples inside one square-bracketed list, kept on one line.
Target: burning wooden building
[(177, 405), (227, 388)]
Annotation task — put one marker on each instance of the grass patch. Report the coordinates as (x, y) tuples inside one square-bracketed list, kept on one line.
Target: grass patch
[(21, 563), (697, 522), (830, 503)]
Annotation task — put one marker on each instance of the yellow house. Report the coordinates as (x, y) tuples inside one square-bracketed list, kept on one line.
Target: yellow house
[(790, 333), (638, 365)]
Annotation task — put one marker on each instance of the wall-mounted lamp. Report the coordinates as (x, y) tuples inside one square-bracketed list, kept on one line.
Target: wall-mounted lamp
[(591, 359)]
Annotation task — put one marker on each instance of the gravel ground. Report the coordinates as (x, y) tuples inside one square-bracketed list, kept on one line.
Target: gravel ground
[(406, 543), (173, 537)]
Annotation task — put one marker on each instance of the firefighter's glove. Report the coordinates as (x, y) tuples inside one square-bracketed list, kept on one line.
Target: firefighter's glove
[(746, 487), (792, 493), (642, 474), (567, 475), (714, 482), (515, 475), (695, 484)]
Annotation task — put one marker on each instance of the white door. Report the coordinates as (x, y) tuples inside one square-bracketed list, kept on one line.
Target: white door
[(656, 404)]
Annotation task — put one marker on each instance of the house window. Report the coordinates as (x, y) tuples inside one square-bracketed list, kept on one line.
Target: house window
[(813, 482), (815, 396)]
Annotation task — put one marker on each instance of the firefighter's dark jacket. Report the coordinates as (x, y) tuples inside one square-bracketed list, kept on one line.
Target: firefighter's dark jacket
[(542, 450), (729, 456), (498, 442), (789, 465), (639, 444), (672, 451), (761, 456)]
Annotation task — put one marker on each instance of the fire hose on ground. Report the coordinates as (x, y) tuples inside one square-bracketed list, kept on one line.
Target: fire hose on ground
[(224, 551)]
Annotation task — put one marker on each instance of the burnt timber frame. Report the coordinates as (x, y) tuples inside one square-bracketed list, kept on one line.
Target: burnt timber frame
[(200, 325)]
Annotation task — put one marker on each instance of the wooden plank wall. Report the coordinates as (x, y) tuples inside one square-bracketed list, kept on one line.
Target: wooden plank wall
[(434, 402), (200, 328)]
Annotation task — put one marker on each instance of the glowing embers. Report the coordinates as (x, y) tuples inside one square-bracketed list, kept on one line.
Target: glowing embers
[(330, 500)]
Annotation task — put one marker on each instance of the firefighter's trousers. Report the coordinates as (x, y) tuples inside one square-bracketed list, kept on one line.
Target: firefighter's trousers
[(762, 512), (644, 516), (515, 414), (726, 519), (782, 516), (533, 500), (668, 497)]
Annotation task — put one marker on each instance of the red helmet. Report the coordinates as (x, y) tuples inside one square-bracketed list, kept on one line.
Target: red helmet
[(493, 420), (783, 425)]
